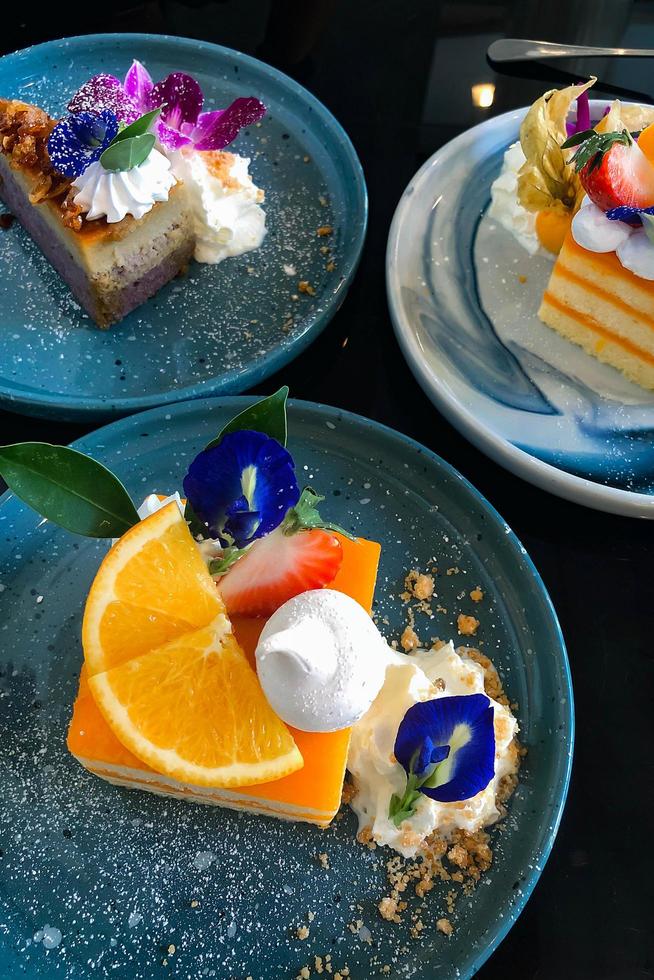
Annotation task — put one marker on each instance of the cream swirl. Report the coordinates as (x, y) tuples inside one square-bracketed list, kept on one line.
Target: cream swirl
[(114, 195), (321, 661)]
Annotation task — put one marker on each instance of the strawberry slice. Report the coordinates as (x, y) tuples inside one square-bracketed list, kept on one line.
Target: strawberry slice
[(278, 567), (613, 170)]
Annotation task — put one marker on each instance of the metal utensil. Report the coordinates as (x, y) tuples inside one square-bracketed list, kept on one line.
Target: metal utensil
[(523, 58)]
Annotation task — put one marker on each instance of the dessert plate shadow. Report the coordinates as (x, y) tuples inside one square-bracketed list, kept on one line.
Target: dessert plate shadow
[(121, 875), (221, 328), (463, 296)]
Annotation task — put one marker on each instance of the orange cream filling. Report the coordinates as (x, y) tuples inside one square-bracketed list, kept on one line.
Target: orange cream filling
[(315, 787)]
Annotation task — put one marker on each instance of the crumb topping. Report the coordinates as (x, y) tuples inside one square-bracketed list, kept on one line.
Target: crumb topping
[(467, 625)]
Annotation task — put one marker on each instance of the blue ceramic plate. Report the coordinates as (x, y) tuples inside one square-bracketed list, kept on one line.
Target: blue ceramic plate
[(221, 328), (115, 871), (466, 320)]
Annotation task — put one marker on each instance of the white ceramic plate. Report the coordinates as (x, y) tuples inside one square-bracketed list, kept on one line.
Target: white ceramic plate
[(467, 325)]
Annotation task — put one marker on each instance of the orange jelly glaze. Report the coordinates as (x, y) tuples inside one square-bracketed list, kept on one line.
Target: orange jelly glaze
[(552, 228), (318, 784)]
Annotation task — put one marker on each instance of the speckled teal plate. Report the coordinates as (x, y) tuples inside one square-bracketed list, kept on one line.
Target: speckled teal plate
[(122, 875), (221, 328)]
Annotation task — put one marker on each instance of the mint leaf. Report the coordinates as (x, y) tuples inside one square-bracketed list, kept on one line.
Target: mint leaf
[(138, 127), (267, 415), (68, 488), (125, 154), (305, 516)]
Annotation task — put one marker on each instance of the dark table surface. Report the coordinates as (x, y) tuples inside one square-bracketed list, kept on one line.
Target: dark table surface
[(397, 74)]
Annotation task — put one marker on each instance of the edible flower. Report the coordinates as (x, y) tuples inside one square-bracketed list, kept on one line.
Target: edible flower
[(242, 488), (180, 98), (582, 122), (80, 139), (447, 749), (632, 216)]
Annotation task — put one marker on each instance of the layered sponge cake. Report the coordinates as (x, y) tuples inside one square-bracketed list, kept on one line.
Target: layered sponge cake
[(595, 302), (311, 794)]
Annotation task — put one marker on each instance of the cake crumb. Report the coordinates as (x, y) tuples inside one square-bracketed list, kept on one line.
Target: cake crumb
[(477, 594), (304, 973), (365, 837), (453, 571), (348, 792), (171, 949), (331, 265), (467, 625), (445, 926), (304, 286), (522, 279), (324, 231), (323, 859), (302, 932), (409, 639), (388, 909)]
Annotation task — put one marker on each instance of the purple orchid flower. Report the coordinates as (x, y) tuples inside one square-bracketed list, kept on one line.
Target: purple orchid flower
[(181, 122)]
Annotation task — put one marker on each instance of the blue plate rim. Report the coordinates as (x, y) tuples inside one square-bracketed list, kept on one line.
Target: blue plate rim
[(548, 477), (239, 402), (316, 321)]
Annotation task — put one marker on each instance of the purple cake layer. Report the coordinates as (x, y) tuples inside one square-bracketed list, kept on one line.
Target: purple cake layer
[(105, 306)]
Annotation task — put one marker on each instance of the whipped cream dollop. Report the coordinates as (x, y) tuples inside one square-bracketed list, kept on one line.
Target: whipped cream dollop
[(227, 216), (505, 207), (592, 230), (321, 661), (411, 678), (103, 193)]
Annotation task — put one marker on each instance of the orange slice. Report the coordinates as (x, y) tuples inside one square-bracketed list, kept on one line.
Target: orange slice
[(193, 710), (152, 587)]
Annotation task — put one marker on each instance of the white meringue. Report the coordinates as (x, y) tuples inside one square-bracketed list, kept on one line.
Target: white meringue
[(321, 661)]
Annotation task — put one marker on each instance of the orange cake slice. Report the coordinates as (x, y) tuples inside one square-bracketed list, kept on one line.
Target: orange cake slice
[(596, 303), (311, 794)]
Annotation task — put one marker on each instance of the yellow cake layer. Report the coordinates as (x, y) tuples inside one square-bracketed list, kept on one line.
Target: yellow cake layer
[(312, 794), (596, 303)]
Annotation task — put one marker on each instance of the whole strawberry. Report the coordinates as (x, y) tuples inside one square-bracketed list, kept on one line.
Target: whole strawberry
[(613, 170)]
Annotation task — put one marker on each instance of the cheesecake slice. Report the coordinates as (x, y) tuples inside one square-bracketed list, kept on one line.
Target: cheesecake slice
[(595, 302), (312, 794), (110, 268)]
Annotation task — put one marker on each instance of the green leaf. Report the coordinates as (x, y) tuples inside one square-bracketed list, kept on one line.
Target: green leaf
[(218, 566), (127, 153), (138, 127), (304, 516), (648, 225), (267, 416), (68, 488), (578, 138), (592, 146)]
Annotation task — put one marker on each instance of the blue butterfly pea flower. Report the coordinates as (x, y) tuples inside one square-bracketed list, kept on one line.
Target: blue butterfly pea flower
[(242, 488), (632, 216), (80, 139), (447, 746)]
